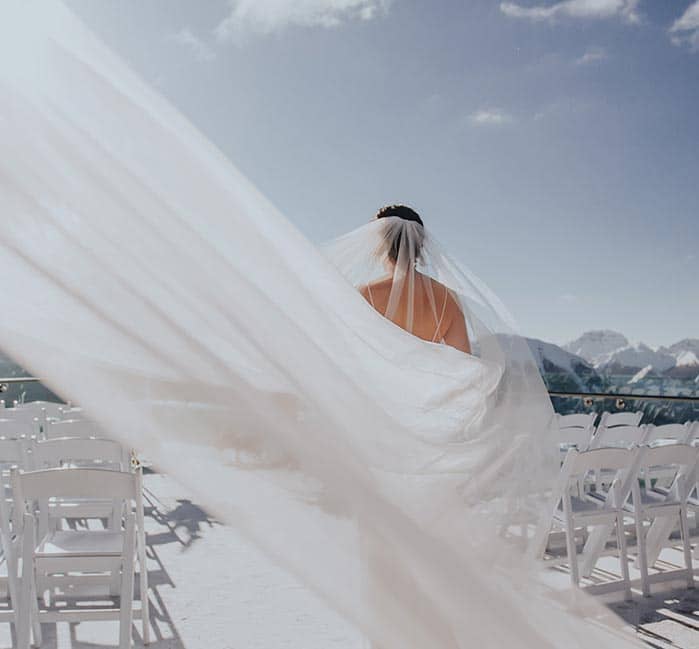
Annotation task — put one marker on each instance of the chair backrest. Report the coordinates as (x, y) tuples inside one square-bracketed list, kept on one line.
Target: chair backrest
[(611, 419), (49, 486), (579, 463), (50, 453), (47, 408), (24, 413), (73, 483), (619, 436), (682, 455), (575, 430), (681, 458), (73, 428), (576, 420), (668, 433), (621, 462), (16, 428)]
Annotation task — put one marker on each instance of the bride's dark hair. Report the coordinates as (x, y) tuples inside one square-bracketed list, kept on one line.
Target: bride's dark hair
[(393, 236), (401, 211)]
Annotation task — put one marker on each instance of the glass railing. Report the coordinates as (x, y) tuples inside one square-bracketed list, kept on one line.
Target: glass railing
[(657, 409), (21, 389)]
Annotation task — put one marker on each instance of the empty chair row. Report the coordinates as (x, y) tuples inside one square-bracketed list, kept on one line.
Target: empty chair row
[(51, 408), (32, 454), (632, 492), (29, 426), (32, 526), (578, 431), (39, 552)]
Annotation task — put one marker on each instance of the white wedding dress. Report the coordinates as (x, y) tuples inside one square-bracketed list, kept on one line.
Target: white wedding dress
[(145, 278)]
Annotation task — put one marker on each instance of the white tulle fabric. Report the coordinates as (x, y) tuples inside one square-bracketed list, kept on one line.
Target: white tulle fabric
[(145, 278)]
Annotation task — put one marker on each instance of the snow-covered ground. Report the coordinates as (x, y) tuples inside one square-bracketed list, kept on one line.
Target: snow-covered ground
[(211, 589)]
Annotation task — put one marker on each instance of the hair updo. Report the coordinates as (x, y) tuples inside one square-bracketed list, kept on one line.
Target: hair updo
[(393, 236)]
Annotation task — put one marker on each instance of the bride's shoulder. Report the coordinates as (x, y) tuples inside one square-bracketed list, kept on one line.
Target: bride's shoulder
[(438, 288), (377, 285)]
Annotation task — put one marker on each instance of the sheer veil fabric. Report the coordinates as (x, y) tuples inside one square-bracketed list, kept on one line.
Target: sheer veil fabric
[(147, 279)]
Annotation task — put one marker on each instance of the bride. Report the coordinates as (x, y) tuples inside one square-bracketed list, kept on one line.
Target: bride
[(422, 305), (301, 395)]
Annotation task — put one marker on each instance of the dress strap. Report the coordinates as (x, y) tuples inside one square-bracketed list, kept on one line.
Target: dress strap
[(371, 298), (441, 317)]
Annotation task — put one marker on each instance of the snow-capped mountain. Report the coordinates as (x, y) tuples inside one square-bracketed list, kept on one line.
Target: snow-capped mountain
[(610, 352), (571, 368), (686, 351), (561, 369), (687, 358), (596, 345), (631, 358), (686, 354)]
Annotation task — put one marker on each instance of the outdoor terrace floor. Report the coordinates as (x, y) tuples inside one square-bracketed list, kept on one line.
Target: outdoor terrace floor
[(212, 589)]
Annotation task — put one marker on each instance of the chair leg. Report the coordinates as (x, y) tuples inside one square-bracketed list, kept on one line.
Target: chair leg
[(143, 583), (13, 587), (36, 623), (642, 557), (114, 525), (127, 578), (25, 607), (684, 531), (623, 556), (572, 551), (594, 546)]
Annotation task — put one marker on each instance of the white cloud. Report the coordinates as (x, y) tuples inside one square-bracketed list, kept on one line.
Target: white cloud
[(269, 16), (685, 30), (490, 117), (625, 9), (200, 50), (592, 55)]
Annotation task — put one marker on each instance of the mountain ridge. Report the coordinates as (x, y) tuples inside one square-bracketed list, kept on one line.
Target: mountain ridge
[(610, 352)]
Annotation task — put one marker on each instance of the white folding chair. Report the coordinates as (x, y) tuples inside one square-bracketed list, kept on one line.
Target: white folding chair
[(94, 453), (661, 528), (575, 431), (621, 436), (13, 453), (649, 503), (71, 552), (662, 435), (605, 512), (73, 428)]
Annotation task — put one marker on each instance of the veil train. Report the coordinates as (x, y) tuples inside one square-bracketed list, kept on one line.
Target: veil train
[(146, 279)]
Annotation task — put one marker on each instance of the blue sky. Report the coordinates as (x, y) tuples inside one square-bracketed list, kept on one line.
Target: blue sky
[(551, 145)]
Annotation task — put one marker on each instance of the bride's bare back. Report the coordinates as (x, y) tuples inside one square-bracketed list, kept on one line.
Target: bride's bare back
[(436, 314)]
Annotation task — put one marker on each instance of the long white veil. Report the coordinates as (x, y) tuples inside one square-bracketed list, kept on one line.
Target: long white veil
[(145, 278)]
